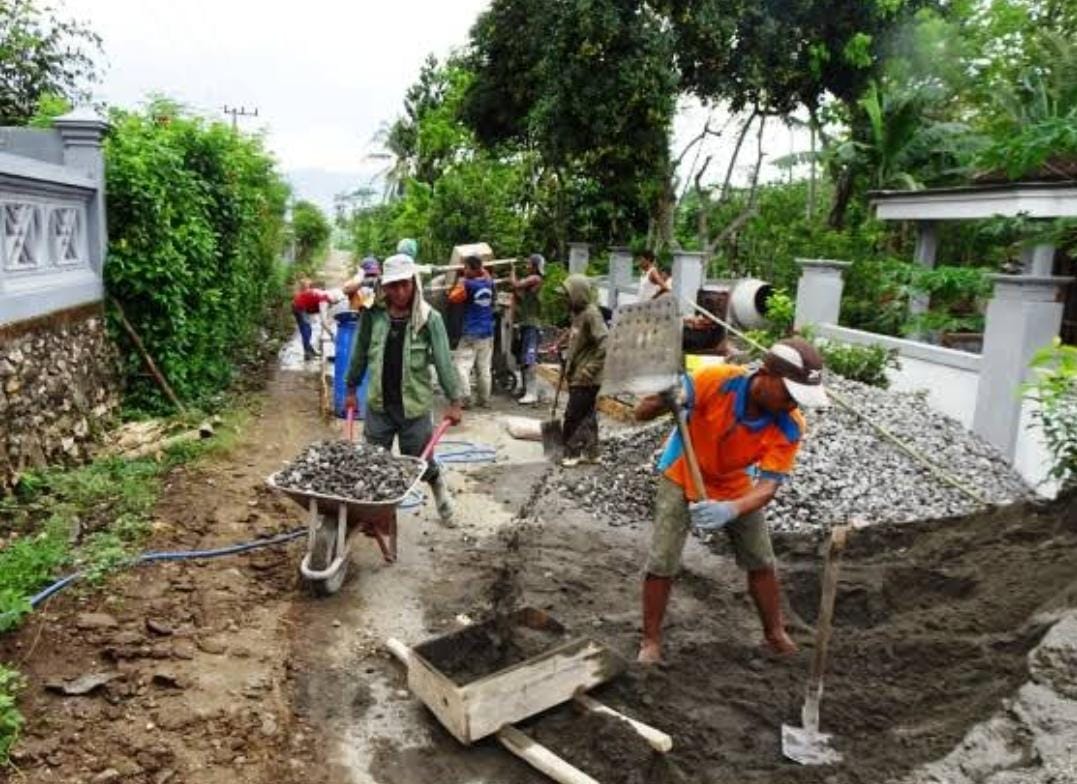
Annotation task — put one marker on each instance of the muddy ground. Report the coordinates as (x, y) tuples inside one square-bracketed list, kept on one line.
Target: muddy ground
[(229, 671)]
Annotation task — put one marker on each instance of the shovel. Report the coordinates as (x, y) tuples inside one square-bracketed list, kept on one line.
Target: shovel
[(644, 356), (806, 744), (553, 436)]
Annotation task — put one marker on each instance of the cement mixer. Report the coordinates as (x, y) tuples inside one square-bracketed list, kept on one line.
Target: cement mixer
[(742, 302)]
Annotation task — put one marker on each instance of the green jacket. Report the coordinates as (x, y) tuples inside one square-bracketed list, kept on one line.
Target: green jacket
[(587, 341), (425, 342)]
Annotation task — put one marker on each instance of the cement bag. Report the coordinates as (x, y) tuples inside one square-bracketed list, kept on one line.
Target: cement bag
[(523, 428)]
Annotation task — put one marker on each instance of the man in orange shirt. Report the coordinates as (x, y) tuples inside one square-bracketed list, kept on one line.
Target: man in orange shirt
[(742, 425)]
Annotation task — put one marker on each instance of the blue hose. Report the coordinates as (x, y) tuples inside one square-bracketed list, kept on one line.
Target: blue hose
[(460, 452)]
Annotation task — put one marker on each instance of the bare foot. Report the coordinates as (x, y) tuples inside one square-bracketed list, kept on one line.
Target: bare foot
[(650, 652), (780, 642)]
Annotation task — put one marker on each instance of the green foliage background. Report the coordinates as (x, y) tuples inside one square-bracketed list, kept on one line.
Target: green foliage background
[(311, 230), (195, 224)]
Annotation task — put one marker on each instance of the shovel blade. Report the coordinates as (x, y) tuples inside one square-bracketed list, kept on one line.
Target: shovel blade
[(644, 350), (553, 439), (808, 747)]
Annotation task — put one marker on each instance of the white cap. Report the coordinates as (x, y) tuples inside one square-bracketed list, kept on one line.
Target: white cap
[(800, 367), (397, 268)]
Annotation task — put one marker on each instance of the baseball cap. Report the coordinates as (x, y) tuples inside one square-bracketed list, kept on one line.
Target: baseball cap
[(800, 367), (539, 262), (398, 267), (370, 264)]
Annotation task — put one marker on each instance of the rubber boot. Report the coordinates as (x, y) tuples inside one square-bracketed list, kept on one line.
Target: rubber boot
[(655, 599), (519, 388), (766, 592), (443, 501), (530, 397)]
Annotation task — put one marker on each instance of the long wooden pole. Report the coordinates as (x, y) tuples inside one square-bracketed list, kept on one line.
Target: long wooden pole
[(157, 374)]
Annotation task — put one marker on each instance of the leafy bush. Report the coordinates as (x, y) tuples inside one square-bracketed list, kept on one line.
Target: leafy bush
[(11, 721), (1055, 389), (552, 296), (866, 364), (311, 230), (195, 222)]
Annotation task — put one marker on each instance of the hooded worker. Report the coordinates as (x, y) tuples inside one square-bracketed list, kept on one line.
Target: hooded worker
[(583, 371), (408, 247), (399, 339), (745, 429)]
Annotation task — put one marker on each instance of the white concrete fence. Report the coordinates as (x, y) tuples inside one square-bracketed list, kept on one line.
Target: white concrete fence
[(52, 217), (982, 391)]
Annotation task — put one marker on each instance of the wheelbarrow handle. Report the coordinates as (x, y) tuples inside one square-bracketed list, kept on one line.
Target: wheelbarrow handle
[(349, 414), (428, 450)]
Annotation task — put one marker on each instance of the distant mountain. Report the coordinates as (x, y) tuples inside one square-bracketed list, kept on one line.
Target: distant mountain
[(321, 185)]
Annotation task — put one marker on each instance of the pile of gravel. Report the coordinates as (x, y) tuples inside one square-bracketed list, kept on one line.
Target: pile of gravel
[(844, 469), (348, 470)]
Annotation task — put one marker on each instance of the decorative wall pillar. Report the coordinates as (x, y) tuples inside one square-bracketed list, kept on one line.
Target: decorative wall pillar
[(1024, 314), (687, 274), (819, 291), (579, 255), (82, 132), (620, 272)]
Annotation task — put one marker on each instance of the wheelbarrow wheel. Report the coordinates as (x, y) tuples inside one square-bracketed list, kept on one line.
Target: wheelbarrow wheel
[(321, 556), (505, 380)]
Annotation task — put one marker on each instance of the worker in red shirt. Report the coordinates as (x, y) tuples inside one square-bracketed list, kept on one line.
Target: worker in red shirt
[(307, 302), (745, 429)]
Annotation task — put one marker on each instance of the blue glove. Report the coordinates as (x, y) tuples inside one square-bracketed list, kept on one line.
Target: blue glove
[(710, 516)]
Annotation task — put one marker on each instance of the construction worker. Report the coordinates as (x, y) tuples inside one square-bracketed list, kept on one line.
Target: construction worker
[(652, 283), (739, 422), (360, 287), (528, 316), (399, 338), (583, 371), (475, 290), (307, 302)]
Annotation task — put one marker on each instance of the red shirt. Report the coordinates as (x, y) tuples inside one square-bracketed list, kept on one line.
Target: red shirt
[(308, 301)]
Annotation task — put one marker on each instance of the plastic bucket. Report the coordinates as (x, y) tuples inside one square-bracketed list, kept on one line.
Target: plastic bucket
[(347, 327)]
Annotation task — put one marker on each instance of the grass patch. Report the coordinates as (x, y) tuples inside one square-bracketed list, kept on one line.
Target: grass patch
[(11, 720)]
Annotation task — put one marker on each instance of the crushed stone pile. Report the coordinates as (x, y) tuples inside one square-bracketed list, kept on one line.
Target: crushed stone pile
[(349, 470), (844, 468)]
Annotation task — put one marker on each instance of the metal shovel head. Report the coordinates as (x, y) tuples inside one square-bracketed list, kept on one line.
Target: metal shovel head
[(808, 747), (553, 438), (644, 353)]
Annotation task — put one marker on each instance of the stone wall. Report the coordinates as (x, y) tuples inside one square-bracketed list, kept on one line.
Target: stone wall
[(59, 389)]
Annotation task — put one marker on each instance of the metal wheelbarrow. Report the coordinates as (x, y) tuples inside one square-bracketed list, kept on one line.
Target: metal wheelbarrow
[(332, 521)]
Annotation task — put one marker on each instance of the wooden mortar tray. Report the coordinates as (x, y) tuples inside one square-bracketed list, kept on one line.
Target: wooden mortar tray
[(482, 707)]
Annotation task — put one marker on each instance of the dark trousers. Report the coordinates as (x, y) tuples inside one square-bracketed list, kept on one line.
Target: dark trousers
[(383, 427), (580, 425), (303, 323)]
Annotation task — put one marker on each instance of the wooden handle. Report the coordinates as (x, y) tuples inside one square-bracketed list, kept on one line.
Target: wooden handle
[(838, 536), (541, 758), (659, 741), (400, 651), (698, 491)]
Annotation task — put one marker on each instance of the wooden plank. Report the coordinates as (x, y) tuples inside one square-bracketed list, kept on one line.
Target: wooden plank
[(536, 685), (442, 697), (541, 758), (658, 740)]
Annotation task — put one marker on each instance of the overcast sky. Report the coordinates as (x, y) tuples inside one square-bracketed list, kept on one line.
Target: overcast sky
[(323, 74)]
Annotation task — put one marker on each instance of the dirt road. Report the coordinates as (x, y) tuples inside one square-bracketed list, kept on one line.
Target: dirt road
[(226, 670)]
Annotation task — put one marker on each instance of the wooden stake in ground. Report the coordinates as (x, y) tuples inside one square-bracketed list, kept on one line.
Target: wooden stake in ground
[(157, 374)]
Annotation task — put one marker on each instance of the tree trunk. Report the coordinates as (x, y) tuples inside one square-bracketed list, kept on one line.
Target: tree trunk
[(724, 195), (843, 193)]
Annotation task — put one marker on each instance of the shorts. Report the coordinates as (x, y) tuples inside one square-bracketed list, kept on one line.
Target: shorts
[(529, 343), (748, 535)]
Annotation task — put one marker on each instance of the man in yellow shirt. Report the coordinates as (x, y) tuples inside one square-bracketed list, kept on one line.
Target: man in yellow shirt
[(745, 429)]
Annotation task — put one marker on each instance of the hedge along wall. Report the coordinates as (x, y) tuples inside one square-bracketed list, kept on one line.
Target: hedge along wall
[(195, 223)]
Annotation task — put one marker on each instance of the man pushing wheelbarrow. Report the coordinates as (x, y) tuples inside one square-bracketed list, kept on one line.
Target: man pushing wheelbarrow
[(399, 338)]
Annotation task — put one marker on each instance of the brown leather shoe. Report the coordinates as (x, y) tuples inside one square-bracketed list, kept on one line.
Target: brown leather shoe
[(766, 592)]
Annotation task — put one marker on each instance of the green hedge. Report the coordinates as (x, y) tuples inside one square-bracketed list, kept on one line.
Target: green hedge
[(195, 216)]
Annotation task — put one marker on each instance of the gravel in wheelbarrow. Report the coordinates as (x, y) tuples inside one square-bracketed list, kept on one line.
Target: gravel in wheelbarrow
[(348, 470)]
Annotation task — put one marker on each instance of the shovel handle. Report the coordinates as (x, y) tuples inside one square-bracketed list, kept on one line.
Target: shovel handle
[(698, 491), (349, 414), (838, 536), (428, 450)]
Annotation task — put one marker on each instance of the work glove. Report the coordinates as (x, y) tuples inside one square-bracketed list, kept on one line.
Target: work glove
[(710, 516)]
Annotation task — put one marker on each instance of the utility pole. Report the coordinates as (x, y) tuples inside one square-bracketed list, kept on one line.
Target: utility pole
[(237, 113)]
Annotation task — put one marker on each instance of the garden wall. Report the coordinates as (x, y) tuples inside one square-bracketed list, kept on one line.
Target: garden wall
[(58, 371)]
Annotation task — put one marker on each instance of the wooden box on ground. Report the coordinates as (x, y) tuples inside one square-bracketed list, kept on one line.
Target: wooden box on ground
[(480, 707)]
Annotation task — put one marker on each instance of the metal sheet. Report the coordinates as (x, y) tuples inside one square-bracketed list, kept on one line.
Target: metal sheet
[(643, 352)]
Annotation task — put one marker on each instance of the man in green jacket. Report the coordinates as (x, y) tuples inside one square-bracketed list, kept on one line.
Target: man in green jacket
[(583, 371), (398, 340)]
